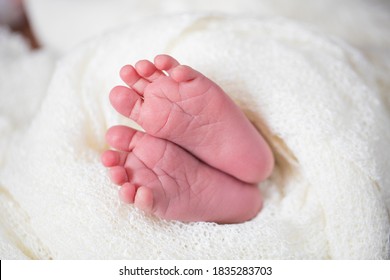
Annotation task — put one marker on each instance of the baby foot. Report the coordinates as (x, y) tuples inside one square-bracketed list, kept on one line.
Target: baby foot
[(163, 179), (177, 103)]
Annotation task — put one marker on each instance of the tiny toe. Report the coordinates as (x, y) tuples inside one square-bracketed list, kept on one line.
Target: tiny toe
[(131, 77), (127, 193), (148, 70), (112, 158), (144, 199), (126, 101), (184, 73), (119, 175), (165, 62), (122, 137)]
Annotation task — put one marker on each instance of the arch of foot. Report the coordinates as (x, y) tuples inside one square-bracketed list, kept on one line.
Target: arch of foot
[(287, 80)]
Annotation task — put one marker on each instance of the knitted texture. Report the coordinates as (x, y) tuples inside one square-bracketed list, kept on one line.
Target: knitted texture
[(316, 99)]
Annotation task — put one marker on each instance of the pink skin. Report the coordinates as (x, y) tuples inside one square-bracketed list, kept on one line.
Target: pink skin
[(221, 157), (161, 178)]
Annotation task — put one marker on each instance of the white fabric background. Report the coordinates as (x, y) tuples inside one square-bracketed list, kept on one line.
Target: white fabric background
[(322, 102)]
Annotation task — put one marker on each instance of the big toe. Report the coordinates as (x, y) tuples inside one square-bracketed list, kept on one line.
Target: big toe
[(126, 101), (122, 137), (113, 158)]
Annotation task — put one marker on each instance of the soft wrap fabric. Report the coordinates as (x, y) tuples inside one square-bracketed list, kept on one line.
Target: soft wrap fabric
[(315, 98)]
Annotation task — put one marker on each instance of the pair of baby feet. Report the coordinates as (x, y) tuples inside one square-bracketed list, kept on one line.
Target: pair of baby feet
[(199, 159)]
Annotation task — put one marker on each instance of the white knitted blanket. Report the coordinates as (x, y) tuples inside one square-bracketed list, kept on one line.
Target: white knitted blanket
[(322, 104)]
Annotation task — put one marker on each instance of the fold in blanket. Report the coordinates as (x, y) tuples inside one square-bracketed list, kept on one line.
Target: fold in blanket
[(315, 98)]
